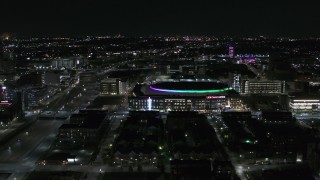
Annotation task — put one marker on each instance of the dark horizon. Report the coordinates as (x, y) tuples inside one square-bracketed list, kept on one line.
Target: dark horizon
[(144, 18), (124, 35)]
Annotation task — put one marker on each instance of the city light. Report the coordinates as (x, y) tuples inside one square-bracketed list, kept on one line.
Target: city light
[(149, 104)]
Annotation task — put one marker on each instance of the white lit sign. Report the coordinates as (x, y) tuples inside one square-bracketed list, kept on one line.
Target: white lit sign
[(215, 97), (6, 103)]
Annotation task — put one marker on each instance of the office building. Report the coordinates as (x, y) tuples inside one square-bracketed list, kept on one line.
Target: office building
[(304, 105), (262, 87), (85, 127), (68, 63), (34, 97), (236, 79), (113, 86)]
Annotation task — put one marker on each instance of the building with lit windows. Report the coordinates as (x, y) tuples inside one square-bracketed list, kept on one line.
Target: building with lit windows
[(183, 96), (236, 79), (34, 97), (68, 63), (304, 105), (263, 87), (113, 86), (186, 69), (161, 103), (83, 128)]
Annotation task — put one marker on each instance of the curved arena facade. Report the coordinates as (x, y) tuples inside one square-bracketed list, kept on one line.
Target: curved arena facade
[(182, 96)]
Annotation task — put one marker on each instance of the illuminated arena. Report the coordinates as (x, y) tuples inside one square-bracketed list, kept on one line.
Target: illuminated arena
[(183, 96), (190, 87), (193, 88)]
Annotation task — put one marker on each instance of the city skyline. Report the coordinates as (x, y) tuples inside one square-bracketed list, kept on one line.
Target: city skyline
[(171, 107)]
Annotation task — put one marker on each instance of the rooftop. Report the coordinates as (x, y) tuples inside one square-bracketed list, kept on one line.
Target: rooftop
[(193, 88)]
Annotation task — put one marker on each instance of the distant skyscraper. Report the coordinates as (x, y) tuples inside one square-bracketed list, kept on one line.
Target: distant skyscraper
[(236, 82), (231, 51)]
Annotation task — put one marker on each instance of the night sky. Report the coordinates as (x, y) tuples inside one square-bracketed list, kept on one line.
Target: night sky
[(161, 17)]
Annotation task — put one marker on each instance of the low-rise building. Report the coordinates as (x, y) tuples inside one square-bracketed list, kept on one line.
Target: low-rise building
[(83, 128), (87, 78), (113, 86), (277, 117), (304, 104), (262, 87), (34, 97)]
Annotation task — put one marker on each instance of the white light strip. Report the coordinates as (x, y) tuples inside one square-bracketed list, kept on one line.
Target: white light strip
[(306, 100), (149, 104)]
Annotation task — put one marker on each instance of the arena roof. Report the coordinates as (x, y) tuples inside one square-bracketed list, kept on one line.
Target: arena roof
[(185, 89)]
